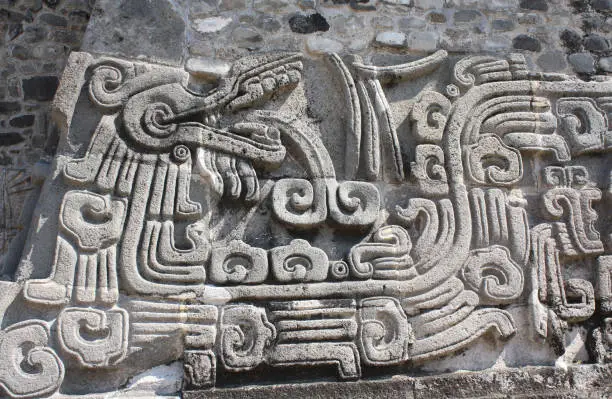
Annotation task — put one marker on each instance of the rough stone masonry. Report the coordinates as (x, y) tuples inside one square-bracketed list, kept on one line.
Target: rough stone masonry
[(306, 198)]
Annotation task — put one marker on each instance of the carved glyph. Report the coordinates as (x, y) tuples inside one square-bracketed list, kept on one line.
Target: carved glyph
[(94, 337), (490, 161), (299, 262), (238, 263), (386, 257), (245, 333), (428, 169), (385, 334), (30, 368), (86, 254)]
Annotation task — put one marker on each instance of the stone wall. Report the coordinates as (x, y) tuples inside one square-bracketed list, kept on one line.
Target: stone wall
[(36, 38), (245, 197), (547, 32)]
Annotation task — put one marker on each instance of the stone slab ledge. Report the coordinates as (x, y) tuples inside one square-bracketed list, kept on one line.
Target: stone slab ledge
[(583, 381)]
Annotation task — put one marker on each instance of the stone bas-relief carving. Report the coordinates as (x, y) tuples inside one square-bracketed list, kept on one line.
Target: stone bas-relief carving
[(268, 219)]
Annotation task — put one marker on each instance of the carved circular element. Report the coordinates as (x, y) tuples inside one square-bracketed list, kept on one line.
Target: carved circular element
[(181, 153), (338, 270), (155, 118), (452, 90)]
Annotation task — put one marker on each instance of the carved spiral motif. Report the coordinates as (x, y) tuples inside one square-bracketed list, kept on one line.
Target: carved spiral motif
[(348, 198), (299, 261), (154, 120), (92, 220), (385, 333), (238, 263), (301, 196), (480, 69), (181, 153), (419, 290), (245, 332), (105, 85), (237, 267), (435, 168), (30, 367), (387, 256), (555, 199), (490, 161), (429, 116), (299, 202), (105, 78), (298, 265), (76, 327), (578, 176), (555, 176), (354, 203), (579, 303)]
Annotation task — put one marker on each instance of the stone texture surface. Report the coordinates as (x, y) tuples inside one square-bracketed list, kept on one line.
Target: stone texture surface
[(201, 28), (529, 382), (153, 29), (261, 198), (35, 39)]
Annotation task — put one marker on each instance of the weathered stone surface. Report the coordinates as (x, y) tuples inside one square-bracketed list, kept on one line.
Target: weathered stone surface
[(526, 42), (22, 121), (10, 138), (596, 43), (393, 39), (466, 16), (208, 69), (582, 62), (268, 23), (247, 37), (552, 61), (422, 41), (605, 63), (308, 23), (7, 107), (39, 88), (571, 39), (539, 5), (53, 20), (322, 45), (263, 197), (601, 5), (115, 209), (156, 30), (577, 382), (413, 23), (503, 24), (210, 25)]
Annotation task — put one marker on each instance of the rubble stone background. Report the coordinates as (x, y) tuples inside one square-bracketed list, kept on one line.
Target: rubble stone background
[(36, 38), (556, 35)]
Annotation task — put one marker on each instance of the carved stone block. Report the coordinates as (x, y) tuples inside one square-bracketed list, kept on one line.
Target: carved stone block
[(260, 219)]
